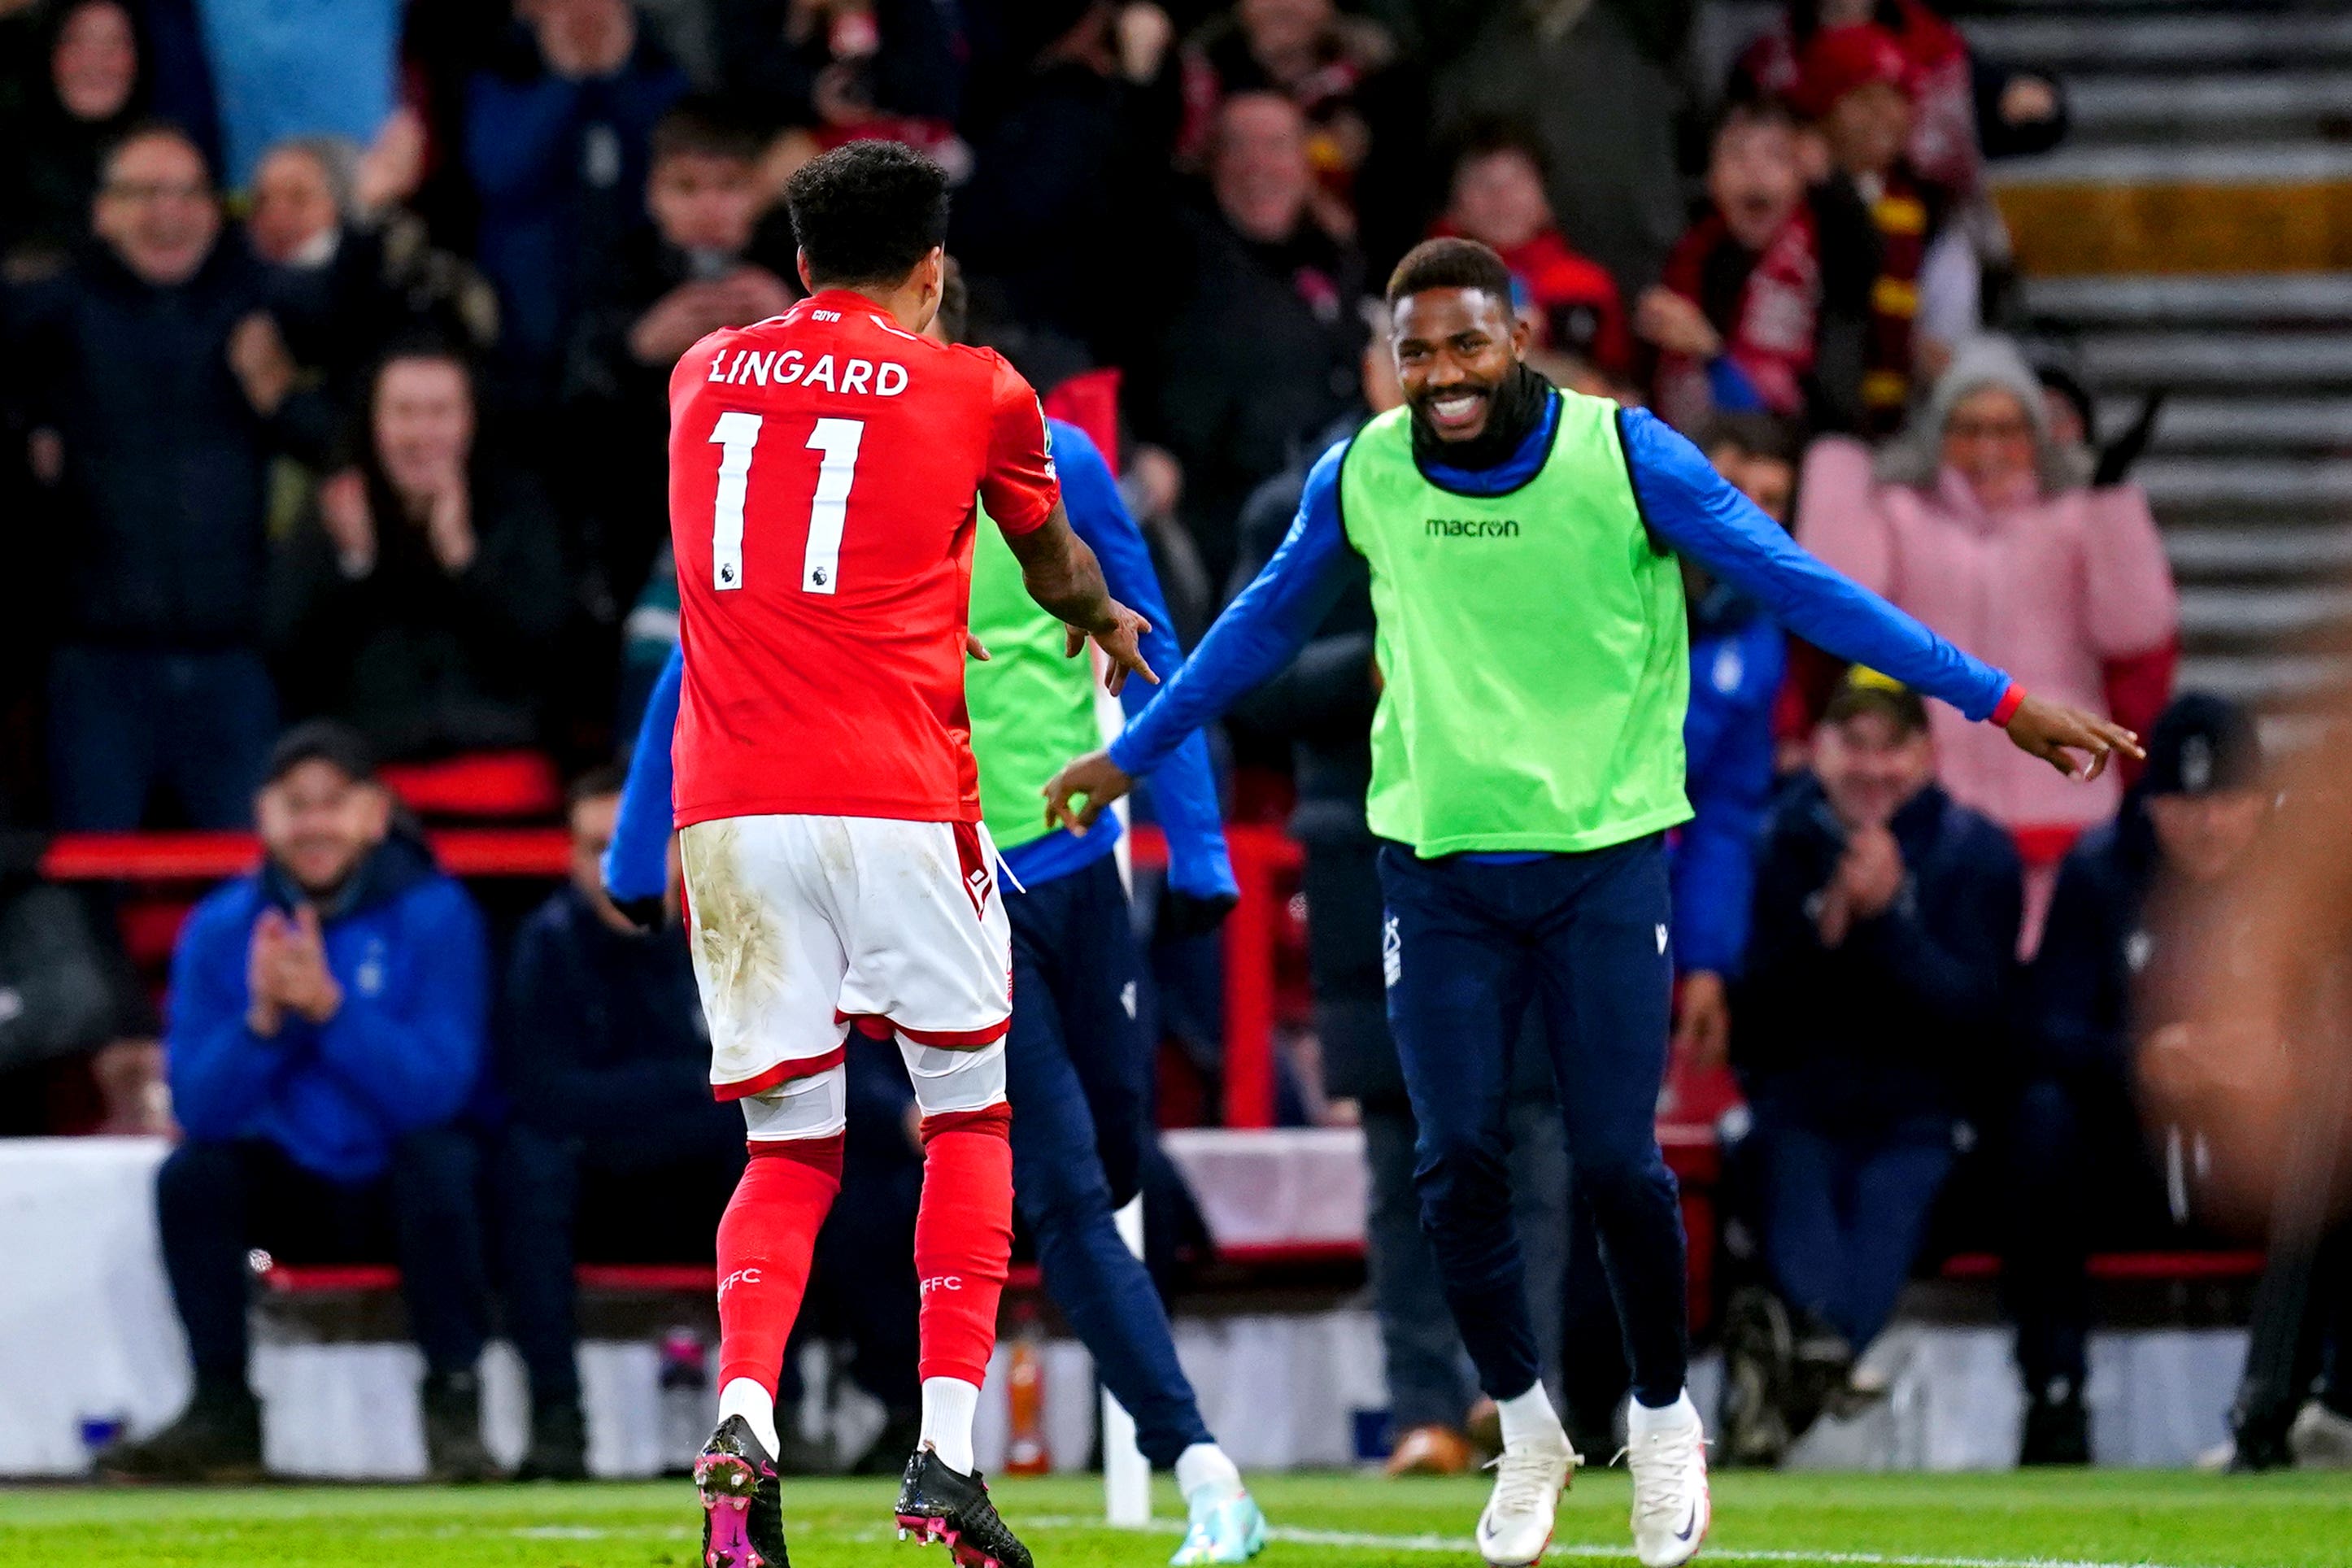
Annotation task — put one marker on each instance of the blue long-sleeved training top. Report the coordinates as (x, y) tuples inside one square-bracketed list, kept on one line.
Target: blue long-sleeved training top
[(1736, 671), (1690, 508), (1183, 784)]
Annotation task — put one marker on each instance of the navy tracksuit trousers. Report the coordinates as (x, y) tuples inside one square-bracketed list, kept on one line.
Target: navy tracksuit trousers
[(1075, 1067), (1467, 943)]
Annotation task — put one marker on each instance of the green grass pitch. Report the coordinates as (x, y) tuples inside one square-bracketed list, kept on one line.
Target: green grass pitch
[(2116, 1518)]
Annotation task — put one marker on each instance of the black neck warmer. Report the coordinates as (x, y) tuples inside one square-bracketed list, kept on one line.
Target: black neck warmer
[(1518, 408)]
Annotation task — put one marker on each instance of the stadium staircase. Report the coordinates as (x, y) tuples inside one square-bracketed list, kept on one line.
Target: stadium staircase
[(2194, 236)]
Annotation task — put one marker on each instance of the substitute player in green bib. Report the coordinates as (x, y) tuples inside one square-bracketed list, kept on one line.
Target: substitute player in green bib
[(1527, 765)]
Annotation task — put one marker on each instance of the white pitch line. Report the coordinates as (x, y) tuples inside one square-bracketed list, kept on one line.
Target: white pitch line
[(1461, 1545)]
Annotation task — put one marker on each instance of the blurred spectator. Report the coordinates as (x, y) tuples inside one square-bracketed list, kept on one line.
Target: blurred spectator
[(1856, 86), (360, 279), (1737, 656), (2075, 428), (556, 140), (1364, 117), (835, 70), (325, 67), (156, 383), (90, 94), (675, 283), (1980, 525), (613, 1137), (417, 600), (73, 1014), (1497, 198), (2111, 998), (1924, 296), (1322, 705), (1748, 294), (1969, 108), (328, 1021), (1600, 85), (1886, 919), (1071, 166), (1261, 347)]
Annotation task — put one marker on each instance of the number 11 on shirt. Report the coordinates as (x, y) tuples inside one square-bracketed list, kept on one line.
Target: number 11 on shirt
[(735, 434)]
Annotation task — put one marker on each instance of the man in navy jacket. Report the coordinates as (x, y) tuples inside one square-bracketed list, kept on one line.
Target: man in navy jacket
[(1879, 966), (327, 1021)]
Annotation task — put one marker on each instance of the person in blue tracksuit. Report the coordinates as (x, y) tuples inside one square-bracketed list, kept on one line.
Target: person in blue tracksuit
[(328, 1019), (1078, 1056)]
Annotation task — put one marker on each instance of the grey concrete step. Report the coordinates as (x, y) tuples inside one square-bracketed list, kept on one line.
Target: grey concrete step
[(2196, 300), (2213, 40), (2254, 362), (2237, 106), (2263, 677), (2252, 163), (2268, 485), (2227, 425), (2218, 550), (2241, 611)]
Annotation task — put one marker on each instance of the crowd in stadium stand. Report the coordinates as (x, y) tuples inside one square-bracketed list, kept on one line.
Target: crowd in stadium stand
[(332, 387)]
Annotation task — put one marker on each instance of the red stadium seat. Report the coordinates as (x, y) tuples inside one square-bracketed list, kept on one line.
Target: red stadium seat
[(480, 786)]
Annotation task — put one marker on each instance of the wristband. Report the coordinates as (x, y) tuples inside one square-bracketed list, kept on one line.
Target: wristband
[(2011, 701)]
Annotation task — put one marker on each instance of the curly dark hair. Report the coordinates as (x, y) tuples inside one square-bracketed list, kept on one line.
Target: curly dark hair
[(1449, 264), (867, 213)]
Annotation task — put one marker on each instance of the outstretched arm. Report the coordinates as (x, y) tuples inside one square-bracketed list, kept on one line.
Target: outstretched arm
[(1184, 787), (1259, 633), (1692, 507)]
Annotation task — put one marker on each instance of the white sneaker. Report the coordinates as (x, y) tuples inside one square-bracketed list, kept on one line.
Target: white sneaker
[(1515, 1526), (2320, 1439), (1671, 1506)]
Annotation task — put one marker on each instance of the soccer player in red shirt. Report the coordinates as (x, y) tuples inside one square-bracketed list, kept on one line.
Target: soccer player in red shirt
[(825, 466)]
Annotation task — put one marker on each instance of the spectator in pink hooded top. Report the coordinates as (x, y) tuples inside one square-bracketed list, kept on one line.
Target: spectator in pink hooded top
[(1983, 527)]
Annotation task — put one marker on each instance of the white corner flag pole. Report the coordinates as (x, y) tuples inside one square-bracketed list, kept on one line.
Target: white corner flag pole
[(1127, 1474)]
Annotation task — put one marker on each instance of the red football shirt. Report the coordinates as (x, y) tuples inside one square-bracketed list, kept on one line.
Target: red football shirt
[(823, 468)]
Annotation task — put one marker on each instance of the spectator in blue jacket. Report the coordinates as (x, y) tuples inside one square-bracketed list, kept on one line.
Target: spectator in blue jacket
[(327, 1021), (606, 1062), (1886, 917), (556, 138)]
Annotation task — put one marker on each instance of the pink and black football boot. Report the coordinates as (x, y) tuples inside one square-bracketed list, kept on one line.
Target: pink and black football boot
[(937, 1504), (742, 1500)]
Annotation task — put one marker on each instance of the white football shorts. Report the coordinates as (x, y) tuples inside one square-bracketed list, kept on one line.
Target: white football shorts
[(805, 926)]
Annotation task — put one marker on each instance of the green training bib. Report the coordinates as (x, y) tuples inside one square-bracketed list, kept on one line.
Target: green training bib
[(1534, 648), (1032, 709)]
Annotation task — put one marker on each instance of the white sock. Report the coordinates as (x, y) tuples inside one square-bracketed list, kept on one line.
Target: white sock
[(948, 1405), (1205, 1464), (1641, 1419), (1529, 1421), (743, 1397)]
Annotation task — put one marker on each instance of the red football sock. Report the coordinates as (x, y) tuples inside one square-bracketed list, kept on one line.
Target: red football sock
[(963, 1239), (765, 1241)]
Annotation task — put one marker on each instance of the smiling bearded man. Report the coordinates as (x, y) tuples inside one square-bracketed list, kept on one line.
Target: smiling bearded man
[(1526, 763)]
